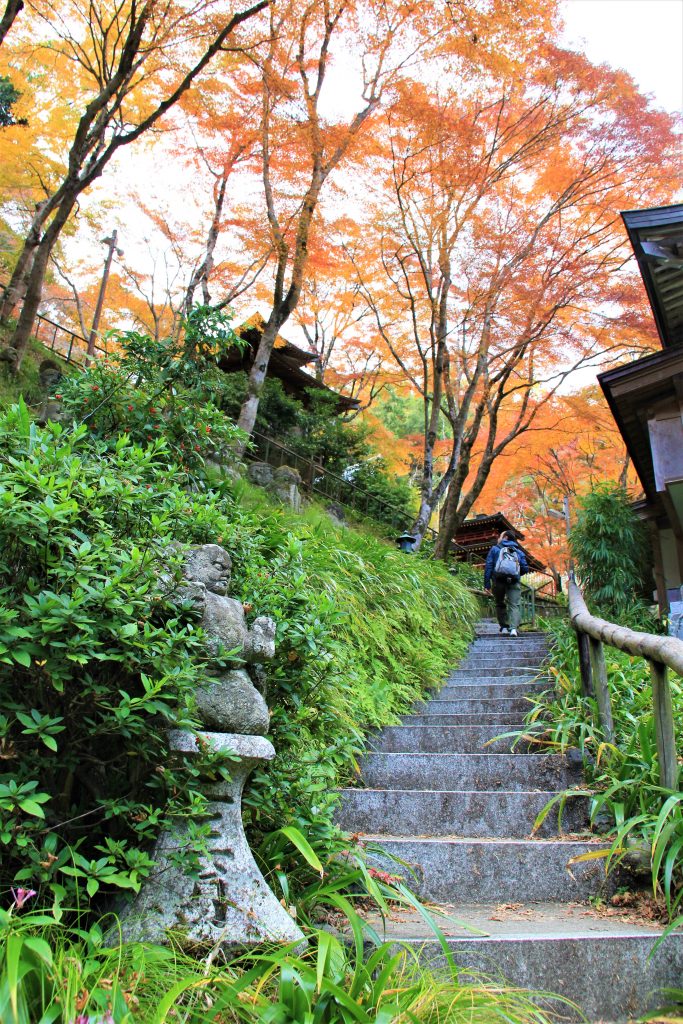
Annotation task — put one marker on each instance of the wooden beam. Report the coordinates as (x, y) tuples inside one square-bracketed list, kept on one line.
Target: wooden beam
[(666, 649), (664, 726), (601, 684)]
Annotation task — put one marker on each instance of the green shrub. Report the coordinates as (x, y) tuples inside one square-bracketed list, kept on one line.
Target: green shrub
[(168, 389), (609, 544), (95, 660), (95, 663)]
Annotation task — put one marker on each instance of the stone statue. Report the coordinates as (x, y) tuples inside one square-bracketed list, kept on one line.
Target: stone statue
[(229, 905), (283, 483), (229, 702), (49, 378)]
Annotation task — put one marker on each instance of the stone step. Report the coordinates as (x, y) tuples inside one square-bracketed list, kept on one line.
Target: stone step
[(504, 721), (489, 690), (478, 815), (454, 706), (441, 739), (528, 772), (495, 671), (477, 705), (603, 964), (496, 661), (449, 869), (524, 642)]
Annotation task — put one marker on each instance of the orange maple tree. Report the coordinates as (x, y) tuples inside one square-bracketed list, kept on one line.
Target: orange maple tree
[(126, 66), (499, 238)]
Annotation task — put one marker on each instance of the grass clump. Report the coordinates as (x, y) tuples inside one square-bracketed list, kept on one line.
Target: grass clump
[(627, 801), (50, 974)]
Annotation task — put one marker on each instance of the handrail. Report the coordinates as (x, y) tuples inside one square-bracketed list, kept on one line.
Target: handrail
[(396, 513), (666, 649), (662, 653), (76, 350)]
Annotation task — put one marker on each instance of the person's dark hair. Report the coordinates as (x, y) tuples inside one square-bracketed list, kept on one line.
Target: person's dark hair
[(507, 535)]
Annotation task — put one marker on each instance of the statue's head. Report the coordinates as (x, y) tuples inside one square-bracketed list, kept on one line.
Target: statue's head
[(211, 565)]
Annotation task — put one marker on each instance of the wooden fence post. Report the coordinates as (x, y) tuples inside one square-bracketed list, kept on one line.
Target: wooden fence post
[(664, 725), (599, 673), (585, 664)]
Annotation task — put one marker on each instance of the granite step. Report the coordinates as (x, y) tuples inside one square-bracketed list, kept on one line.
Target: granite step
[(476, 814), (496, 661), (450, 869), (497, 670), (477, 705), (528, 772), (605, 965), (490, 690), (441, 739), (505, 721)]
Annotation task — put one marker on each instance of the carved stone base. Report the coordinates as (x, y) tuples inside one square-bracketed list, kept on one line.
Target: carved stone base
[(230, 904)]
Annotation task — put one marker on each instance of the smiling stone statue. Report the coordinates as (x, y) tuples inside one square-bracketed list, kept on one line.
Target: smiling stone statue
[(229, 702), (227, 904)]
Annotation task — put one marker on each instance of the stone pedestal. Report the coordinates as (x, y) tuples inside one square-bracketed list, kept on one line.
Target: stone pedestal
[(230, 905)]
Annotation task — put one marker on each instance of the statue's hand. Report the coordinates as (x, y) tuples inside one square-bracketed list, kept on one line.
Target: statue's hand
[(262, 638), (194, 592)]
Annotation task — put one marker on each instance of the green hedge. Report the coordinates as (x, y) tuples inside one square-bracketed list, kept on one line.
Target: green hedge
[(96, 663)]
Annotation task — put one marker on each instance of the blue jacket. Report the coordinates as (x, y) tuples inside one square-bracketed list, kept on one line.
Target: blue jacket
[(492, 558)]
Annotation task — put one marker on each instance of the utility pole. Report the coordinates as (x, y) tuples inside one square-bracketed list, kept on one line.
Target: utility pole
[(111, 243), (564, 514)]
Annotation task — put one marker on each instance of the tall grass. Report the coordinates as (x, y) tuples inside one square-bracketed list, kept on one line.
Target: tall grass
[(627, 802), (51, 975)]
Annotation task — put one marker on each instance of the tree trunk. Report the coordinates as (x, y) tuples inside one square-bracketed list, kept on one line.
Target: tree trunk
[(257, 376), (18, 282), (36, 277), (11, 10), (201, 275), (450, 520)]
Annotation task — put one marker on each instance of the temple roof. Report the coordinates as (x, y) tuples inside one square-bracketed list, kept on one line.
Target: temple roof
[(657, 239), (476, 536), (286, 361)]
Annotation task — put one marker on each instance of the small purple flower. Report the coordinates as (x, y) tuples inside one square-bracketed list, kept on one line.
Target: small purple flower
[(21, 896)]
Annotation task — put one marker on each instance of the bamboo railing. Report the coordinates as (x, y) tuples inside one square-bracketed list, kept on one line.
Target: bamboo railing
[(662, 653)]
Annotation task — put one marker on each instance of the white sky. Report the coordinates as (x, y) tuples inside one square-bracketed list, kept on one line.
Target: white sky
[(645, 37)]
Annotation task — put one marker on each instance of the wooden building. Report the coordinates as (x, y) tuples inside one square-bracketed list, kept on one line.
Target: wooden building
[(476, 536), (286, 362), (646, 396)]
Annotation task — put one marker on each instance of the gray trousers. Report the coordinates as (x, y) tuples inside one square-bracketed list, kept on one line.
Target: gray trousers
[(508, 602)]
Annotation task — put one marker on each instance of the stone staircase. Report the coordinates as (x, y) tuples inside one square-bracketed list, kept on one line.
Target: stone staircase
[(459, 810)]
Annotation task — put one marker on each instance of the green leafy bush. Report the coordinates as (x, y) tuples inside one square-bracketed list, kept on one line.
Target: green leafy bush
[(95, 660), (96, 663), (609, 544), (166, 389)]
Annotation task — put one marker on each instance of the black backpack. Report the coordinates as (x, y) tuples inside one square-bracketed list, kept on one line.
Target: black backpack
[(507, 567)]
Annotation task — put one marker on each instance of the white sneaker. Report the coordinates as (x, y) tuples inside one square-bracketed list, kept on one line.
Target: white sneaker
[(504, 630), (513, 632)]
